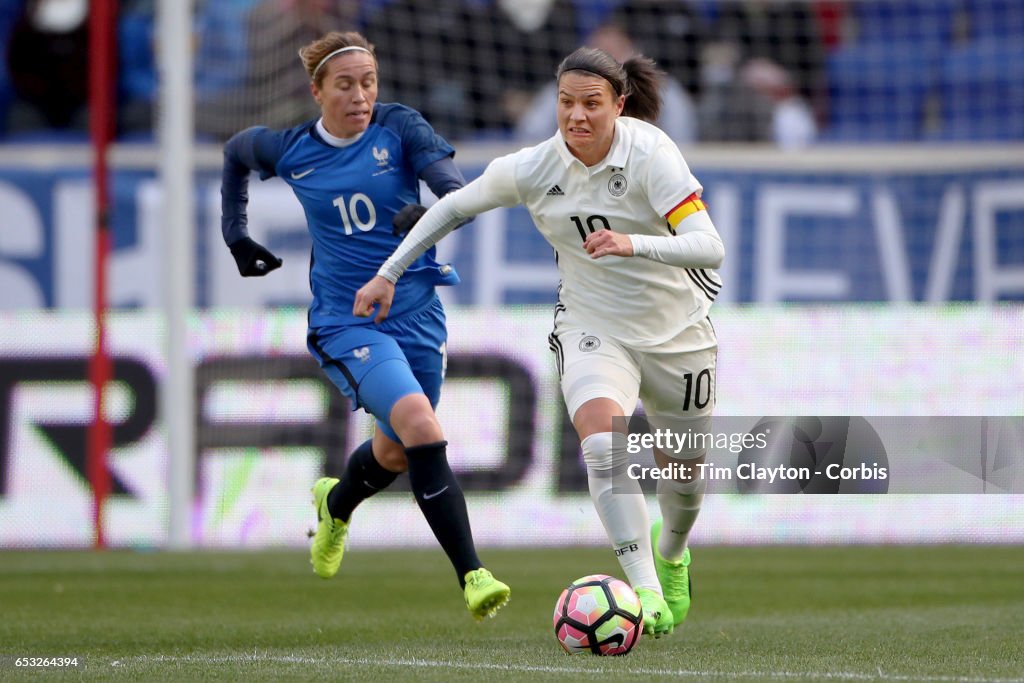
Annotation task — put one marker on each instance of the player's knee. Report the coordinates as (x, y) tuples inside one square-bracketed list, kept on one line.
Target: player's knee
[(690, 493), (690, 457), (604, 451), (688, 443), (420, 429), (390, 455), (413, 420)]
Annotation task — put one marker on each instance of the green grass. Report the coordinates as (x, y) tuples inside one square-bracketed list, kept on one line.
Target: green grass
[(945, 613)]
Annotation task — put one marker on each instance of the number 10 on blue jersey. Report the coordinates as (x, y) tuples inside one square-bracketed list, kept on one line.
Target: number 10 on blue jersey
[(350, 212)]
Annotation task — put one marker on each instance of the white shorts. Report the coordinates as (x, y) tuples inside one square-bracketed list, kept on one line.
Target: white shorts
[(677, 387)]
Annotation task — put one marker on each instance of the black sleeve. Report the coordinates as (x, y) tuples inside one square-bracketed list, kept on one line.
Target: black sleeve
[(443, 176), (254, 149)]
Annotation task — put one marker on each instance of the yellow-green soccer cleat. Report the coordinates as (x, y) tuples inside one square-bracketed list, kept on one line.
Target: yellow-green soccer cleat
[(657, 615), (485, 595), (674, 578), (329, 541)]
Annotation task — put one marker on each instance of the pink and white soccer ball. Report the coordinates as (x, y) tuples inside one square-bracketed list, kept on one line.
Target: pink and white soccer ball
[(598, 614)]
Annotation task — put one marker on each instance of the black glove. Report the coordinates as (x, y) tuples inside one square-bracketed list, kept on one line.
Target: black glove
[(253, 259), (406, 219)]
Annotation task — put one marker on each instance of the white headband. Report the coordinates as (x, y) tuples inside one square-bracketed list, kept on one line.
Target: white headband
[(338, 52)]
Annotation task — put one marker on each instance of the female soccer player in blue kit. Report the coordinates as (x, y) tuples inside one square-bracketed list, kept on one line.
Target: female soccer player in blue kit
[(356, 171)]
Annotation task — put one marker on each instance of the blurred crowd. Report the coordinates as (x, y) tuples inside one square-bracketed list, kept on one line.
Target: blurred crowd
[(788, 72)]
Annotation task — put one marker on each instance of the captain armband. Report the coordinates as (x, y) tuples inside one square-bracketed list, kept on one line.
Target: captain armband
[(683, 210)]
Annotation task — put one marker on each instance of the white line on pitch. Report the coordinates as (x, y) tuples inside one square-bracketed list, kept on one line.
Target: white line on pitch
[(643, 671)]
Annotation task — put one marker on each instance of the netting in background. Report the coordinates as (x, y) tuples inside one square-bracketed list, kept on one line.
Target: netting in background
[(248, 69), (789, 72), (783, 72)]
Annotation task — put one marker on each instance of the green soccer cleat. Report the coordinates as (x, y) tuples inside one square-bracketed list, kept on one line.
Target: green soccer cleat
[(674, 578), (657, 615), (329, 541), (485, 595)]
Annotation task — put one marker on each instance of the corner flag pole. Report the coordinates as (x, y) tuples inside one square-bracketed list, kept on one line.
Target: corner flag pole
[(102, 16)]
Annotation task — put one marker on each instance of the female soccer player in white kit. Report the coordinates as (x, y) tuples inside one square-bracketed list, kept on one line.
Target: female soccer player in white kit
[(634, 246)]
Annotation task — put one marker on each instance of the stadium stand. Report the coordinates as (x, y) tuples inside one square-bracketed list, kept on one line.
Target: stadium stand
[(904, 21), (9, 10), (136, 82), (870, 70), (47, 56), (1001, 19), (878, 91), (881, 77), (982, 91)]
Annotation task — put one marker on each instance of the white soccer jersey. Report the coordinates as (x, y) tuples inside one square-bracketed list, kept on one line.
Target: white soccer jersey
[(639, 301)]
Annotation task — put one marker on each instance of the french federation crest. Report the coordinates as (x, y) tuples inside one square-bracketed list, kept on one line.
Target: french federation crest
[(617, 185), (382, 156)]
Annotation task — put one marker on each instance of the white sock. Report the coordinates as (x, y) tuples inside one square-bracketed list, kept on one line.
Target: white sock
[(623, 511), (680, 503)]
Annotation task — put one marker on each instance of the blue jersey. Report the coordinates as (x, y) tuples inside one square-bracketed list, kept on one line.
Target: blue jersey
[(349, 195)]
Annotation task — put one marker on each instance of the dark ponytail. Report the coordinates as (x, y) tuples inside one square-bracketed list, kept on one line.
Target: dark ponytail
[(643, 97), (637, 79)]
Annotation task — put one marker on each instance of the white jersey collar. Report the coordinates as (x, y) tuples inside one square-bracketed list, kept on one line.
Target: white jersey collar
[(616, 157), (331, 139)]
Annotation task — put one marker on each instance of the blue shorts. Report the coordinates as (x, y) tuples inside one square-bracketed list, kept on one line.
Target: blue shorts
[(375, 365)]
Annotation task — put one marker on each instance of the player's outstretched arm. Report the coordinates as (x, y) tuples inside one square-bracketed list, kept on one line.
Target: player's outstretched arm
[(442, 177), (377, 292), (494, 188), (487, 192), (697, 244), (243, 154)]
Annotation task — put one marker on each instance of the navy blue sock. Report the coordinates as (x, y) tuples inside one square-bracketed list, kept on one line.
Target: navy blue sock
[(363, 477), (440, 499)]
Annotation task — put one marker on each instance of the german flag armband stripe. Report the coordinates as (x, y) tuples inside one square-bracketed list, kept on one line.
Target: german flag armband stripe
[(687, 207)]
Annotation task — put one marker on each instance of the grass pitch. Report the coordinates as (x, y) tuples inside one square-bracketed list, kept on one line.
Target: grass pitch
[(939, 613)]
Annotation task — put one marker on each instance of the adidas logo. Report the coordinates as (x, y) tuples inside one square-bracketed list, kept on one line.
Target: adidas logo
[(555, 191)]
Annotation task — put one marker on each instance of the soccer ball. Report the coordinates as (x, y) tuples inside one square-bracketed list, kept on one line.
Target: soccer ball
[(598, 614)]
